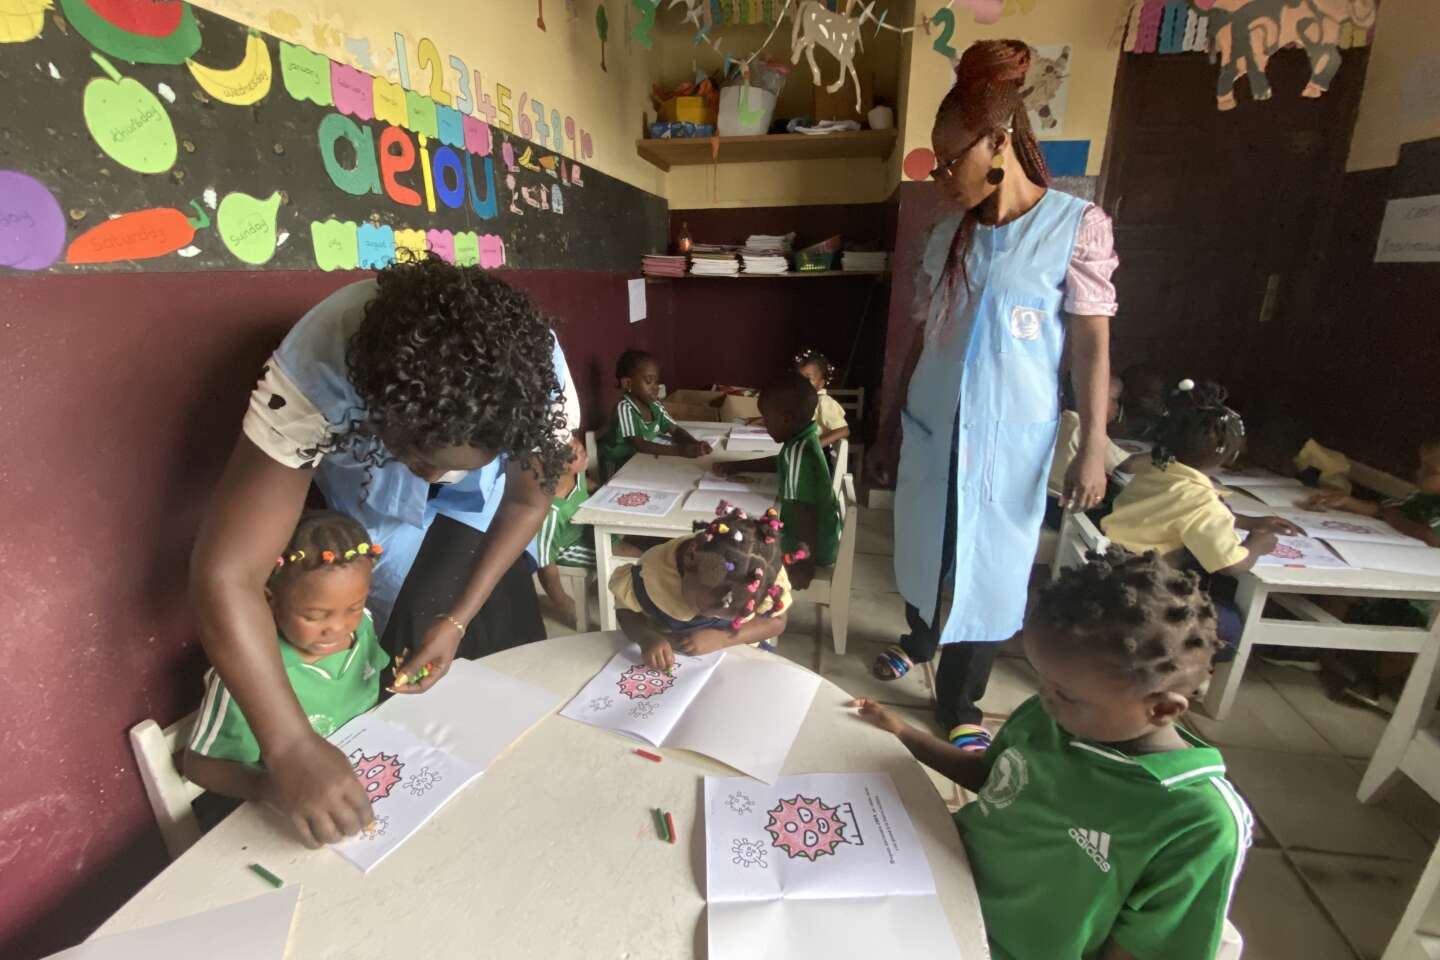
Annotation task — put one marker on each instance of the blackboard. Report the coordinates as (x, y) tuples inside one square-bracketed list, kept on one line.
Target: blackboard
[(497, 198)]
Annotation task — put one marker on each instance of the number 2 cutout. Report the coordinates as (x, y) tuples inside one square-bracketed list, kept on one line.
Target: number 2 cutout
[(427, 57), (946, 18)]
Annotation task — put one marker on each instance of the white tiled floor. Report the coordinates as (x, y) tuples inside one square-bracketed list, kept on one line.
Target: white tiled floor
[(1328, 876)]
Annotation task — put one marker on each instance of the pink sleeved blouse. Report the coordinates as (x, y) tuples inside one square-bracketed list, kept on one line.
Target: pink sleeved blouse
[(1089, 291)]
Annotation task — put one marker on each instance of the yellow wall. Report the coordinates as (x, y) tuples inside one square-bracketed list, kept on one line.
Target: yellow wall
[(1406, 33), (1087, 25), (559, 66)]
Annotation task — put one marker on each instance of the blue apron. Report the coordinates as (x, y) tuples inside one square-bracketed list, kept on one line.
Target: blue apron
[(987, 386), (395, 508)]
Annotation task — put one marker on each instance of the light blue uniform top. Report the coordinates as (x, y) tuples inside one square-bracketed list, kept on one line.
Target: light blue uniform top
[(395, 507), (987, 384)]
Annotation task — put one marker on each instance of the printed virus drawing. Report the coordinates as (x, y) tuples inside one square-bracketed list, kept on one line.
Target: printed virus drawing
[(634, 498), (1286, 552), (1341, 526), (739, 803), (639, 682), (806, 827), (378, 774), (599, 703), (422, 782), (376, 829), (643, 710), (748, 853)]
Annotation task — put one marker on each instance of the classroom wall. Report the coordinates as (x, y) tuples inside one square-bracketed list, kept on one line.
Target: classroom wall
[(1401, 101)]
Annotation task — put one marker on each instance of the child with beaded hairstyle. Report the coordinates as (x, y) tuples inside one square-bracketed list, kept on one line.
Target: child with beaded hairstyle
[(829, 415), (723, 586), (317, 595), (1102, 829)]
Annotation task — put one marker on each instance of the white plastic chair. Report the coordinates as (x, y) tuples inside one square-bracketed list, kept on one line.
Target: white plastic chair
[(838, 472), (831, 586), (1078, 536), (852, 401), (1232, 945), (171, 795), (577, 582), (592, 453)]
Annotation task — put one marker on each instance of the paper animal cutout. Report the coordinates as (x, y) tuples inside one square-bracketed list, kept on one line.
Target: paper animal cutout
[(1043, 84), (836, 33)]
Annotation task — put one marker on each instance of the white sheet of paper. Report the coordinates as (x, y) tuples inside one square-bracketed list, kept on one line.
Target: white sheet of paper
[(811, 836), (630, 698), (1281, 498), (254, 929), (475, 712), (748, 715), (407, 779), (1410, 231), (646, 472), (756, 444), (1423, 562), (636, 289), (708, 501), (1254, 478), (1336, 526), (710, 435), (632, 500), (1305, 552), (853, 929), (1245, 505), (740, 482)]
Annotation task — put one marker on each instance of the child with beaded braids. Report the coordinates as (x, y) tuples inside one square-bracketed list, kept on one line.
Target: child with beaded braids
[(723, 586), (1102, 829), (829, 415), (317, 595)]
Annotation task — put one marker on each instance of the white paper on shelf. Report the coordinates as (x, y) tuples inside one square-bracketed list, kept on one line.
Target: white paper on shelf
[(633, 500), (709, 501), (1336, 526), (1304, 552), (1424, 562), (253, 929)]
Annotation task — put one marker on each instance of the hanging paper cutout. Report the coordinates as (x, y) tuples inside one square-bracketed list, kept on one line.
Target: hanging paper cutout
[(128, 122), (240, 85), (640, 32), (22, 20), (918, 163), (540, 17), (138, 235), (247, 225), (32, 228), (137, 31), (1046, 89), (602, 28), (836, 33)]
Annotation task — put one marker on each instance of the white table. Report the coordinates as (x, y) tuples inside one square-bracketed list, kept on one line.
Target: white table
[(641, 470), (552, 853)]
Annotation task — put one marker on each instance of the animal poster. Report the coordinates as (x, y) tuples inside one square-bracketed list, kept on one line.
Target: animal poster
[(708, 502), (765, 483), (742, 707), (406, 778), (1301, 552), (1047, 88), (815, 861), (1335, 525), (632, 500)]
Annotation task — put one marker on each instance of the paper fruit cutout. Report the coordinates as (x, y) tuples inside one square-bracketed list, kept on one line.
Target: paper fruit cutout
[(635, 498), (241, 85), (378, 774), (128, 122), (138, 235), (32, 226), (247, 225), (136, 31), (836, 33), (639, 682), (22, 20), (1286, 552), (748, 853), (806, 827)]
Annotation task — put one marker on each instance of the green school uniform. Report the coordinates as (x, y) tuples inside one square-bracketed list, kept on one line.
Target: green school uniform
[(804, 477), (629, 424), (562, 541), (1073, 843), (332, 691), (1422, 508)]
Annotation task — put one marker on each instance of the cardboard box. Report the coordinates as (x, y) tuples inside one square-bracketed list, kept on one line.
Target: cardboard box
[(687, 110), (701, 405), (739, 408)]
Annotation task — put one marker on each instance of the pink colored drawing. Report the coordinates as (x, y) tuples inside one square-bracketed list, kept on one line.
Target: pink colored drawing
[(352, 91), (492, 251), (477, 136), (634, 498), (1286, 552), (378, 774), (1342, 526), (805, 827), (639, 682), (442, 244)]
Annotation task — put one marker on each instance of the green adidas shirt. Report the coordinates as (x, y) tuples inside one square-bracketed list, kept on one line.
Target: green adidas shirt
[(630, 424), (560, 539), (1072, 843), (331, 691), (804, 476)]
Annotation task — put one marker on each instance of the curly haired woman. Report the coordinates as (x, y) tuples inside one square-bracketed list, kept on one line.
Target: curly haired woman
[(432, 404)]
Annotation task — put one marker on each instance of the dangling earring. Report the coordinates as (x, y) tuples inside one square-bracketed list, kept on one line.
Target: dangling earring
[(996, 173)]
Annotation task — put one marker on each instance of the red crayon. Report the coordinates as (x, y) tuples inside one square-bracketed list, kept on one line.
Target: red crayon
[(670, 825), (649, 756)]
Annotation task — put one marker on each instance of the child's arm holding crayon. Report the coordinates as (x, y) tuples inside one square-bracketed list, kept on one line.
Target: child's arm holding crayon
[(689, 447), (965, 767), (751, 631), (1342, 501), (654, 643)]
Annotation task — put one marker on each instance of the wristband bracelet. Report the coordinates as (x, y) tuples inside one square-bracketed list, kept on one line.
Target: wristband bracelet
[(452, 621)]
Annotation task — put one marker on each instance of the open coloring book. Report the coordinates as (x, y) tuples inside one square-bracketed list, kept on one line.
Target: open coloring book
[(1348, 526), (643, 503), (1305, 552), (761, 483), (742, 710), (756, 439), (708, 501), (817, 865)]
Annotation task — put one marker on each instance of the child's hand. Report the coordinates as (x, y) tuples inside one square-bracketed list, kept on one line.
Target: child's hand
[(1261, 542), (702, 642), (694, 449), (1278, 526), (436, 652), (658, 655), (878, 716), (1327, 501)]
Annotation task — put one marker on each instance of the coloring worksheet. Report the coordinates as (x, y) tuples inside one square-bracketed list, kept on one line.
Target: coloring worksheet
[(742, 707), (709, 501), (1305, 552), (1255, 478), (1422, 561), (814, 861), (763, 483), (407, 779), (632, 500), (755, 439), (1348, 526)]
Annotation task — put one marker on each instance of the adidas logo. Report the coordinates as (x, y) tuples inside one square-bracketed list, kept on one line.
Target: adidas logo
[(1096, 844)]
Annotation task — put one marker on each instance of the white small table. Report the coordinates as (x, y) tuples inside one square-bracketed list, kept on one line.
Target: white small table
[(552, 853), (641, 470)]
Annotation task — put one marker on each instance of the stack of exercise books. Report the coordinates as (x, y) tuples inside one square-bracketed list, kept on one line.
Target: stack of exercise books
[(764, 264), (714, 264), (864, 261), (659, 265)]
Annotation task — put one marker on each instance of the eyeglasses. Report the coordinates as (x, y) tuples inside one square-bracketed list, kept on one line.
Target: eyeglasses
[(946, 170)]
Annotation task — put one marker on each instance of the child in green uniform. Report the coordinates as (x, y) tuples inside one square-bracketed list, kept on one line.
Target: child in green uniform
[(808, 504), (561, 543), (1417, 515), (332, 658), (1102, 829), (641, 424)]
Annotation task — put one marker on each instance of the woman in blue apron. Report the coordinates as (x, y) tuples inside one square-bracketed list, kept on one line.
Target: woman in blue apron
[(433, 404), (1010, 275)]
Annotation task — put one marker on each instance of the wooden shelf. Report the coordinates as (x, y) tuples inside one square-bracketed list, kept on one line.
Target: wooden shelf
[(792, 275), (665, 154)]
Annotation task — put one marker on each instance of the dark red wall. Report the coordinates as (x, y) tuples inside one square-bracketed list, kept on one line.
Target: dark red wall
[(120, 397)]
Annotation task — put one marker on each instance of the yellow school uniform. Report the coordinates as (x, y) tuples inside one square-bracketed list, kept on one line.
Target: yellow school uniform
[(1067, 445), (1332, 465), (1174, 507), (828, 413), (660, 575)]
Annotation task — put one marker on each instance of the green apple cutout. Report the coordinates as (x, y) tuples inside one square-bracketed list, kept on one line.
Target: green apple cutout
[(247, 225), (128, 122)]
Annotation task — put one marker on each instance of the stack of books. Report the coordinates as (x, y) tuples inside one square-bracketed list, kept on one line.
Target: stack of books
[(764, 264), (659, 265), (767, 243), (714, 265), (865, 262)]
